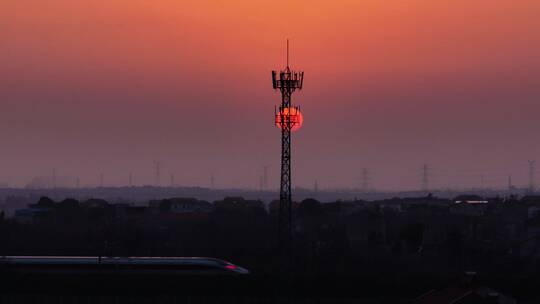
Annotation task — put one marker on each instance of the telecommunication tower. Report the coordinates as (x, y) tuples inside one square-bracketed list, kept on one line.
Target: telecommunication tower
[(288, 116)]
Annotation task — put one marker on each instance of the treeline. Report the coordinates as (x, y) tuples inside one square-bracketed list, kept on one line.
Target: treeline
[(419, 235)]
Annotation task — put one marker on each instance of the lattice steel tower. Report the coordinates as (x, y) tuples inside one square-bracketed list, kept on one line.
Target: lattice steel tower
[(287, 117)]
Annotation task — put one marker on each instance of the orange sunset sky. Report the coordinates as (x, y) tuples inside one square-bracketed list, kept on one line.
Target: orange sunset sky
[(93, 86)]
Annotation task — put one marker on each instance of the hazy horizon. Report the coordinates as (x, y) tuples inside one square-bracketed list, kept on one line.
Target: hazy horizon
[(90, 87)]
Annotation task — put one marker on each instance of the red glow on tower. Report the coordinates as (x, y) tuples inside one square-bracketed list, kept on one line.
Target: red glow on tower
[(290, 115)]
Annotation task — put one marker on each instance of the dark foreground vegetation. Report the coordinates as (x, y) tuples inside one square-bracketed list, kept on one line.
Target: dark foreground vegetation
[(388, 251)]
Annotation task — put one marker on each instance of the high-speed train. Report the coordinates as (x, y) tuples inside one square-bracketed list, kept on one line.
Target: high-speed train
[(119, 265)]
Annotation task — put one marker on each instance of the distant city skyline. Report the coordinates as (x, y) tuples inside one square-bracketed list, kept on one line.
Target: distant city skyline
[(110, 87)]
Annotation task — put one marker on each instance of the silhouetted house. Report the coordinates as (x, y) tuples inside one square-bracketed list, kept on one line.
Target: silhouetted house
[(40, 211), (533, 211), (179, 206), (95, 203), (366, 227), (189, 205), (333, 209), (348, 208), (470, 199), (154, 207), (531, 200), (43, 203), (129, 212), (273, 207), (30, 215), (390, 207), (14, 202), (309, 208), (529, 247), (428, 202), (511, 220), (234, 202), (470, 205)]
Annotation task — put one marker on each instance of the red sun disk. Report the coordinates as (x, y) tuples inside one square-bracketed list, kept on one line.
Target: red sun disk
[(290, 114)]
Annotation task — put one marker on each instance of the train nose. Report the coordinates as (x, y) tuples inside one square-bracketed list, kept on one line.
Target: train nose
[(237, 269)]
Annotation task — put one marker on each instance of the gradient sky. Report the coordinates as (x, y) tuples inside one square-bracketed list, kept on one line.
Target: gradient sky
[(92, 86)]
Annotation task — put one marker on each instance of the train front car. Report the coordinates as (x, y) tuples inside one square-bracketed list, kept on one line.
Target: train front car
[(120, 265)]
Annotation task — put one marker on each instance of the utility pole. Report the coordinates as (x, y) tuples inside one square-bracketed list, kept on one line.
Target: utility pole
[(172, 180), (101, 178), (130, 181)]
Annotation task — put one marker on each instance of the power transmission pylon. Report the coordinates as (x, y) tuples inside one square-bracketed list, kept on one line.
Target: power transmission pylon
[(157, 166), (365, 180), (532, 185), (425, 178)]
